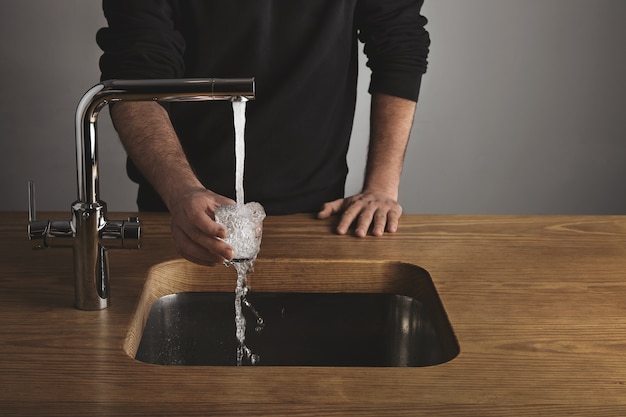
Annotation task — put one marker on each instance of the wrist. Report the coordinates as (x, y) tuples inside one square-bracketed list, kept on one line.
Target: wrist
[(174, 193), (386, 189)]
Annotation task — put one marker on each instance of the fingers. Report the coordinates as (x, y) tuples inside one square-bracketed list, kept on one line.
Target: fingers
[(198, 238), (212, 251), (379, 220), (393, 219), (347, 219)]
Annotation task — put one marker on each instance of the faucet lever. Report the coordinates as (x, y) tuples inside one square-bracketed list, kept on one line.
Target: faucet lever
[(122, 234), (36, 229), (31, 201)]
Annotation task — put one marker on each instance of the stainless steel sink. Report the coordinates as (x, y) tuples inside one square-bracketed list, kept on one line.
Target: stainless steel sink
[(392, 318)]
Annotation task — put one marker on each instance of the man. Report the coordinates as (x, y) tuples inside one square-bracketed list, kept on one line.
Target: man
[(303, 55)]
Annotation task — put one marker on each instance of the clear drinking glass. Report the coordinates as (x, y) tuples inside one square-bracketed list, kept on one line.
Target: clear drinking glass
[(244, 223)]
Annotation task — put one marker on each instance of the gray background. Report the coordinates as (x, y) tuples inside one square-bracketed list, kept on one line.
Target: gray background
[(522, 110)]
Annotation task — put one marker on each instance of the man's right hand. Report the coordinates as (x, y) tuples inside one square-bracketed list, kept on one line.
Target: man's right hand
[(196, 234)]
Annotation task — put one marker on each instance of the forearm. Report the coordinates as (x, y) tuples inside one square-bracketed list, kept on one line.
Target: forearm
[(150, 141), (391, 120)]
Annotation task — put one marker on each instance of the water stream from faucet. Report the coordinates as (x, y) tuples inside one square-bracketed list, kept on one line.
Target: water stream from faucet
[(246, 265), (239, 119)]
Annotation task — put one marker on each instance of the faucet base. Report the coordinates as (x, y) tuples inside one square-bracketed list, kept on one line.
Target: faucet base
[(91, 271)]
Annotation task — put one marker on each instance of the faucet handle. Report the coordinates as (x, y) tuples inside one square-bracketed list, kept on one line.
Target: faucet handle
[(31, 201), (132, 233), (122, 234), (37, 229)]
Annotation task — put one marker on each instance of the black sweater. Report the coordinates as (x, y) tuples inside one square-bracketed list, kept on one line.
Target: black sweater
[(303, 54)]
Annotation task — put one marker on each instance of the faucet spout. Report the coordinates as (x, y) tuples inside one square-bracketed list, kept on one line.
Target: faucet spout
[(165, 90), (90, 233)]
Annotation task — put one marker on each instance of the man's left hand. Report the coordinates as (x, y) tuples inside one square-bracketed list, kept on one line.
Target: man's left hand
[(367, 211)]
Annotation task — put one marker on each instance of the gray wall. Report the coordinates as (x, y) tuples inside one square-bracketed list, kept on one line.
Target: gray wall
[(521, 110)]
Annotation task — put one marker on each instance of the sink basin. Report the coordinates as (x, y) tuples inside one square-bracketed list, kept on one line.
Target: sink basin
[(315, 312)]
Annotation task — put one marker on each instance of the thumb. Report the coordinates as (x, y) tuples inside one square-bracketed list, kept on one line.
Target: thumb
[(330, 208)]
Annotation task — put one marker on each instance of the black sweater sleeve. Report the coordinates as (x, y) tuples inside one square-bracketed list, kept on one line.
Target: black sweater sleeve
[(396, 45), (141, 41)]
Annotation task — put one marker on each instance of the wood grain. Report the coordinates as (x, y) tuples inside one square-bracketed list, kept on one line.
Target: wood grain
[(538, 305)]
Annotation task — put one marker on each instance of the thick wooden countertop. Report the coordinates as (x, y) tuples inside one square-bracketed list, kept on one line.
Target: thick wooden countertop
[(538, 305)]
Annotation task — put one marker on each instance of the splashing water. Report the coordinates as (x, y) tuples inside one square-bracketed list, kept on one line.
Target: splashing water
[(243, 351)]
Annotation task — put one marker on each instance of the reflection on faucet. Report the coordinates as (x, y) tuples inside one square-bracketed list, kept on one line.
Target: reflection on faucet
[(89, 233)]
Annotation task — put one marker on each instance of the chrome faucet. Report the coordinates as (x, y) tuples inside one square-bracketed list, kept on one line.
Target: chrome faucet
[(89, 233)]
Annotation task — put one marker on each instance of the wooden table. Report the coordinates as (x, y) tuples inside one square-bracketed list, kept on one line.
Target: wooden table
[(537, 303)]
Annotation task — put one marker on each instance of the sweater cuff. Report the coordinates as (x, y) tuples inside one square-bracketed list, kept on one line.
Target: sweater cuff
[(407, 87)]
